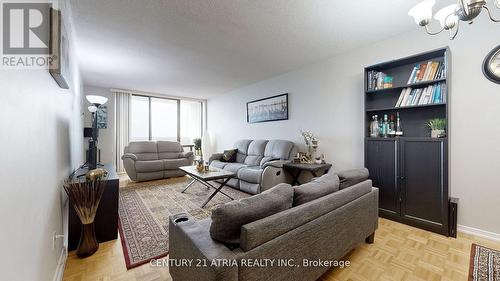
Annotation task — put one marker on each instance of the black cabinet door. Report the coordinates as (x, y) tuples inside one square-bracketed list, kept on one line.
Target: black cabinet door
[(382, 162), (424, 186)]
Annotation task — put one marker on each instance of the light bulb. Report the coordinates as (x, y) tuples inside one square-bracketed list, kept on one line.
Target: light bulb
[(422, 12), (98, 100), (447, 16), (92, 108)]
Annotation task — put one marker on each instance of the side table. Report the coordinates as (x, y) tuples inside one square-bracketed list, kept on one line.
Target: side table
[(296, 170)]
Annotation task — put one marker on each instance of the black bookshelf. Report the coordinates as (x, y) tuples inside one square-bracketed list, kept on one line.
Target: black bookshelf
[(411, 171)]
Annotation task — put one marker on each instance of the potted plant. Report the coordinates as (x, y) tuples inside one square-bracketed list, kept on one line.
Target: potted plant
[(437, 126), (197, 146)]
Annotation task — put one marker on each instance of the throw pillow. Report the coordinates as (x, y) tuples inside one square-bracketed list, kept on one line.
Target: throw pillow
[(352, 177), (229, 155), (315, 189), (228, 218)]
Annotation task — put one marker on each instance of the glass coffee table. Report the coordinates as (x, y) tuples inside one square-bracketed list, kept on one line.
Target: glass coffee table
[(206, 176)]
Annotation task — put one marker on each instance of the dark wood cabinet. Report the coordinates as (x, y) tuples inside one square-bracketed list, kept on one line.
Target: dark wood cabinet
[(382, 162), (411, 171)]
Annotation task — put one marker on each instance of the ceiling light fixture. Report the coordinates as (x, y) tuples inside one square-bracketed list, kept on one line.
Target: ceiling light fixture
[(450, 16)]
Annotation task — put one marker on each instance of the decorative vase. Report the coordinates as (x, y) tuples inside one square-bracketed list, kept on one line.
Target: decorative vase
[(437, 133), (88, 243), (199, 166)]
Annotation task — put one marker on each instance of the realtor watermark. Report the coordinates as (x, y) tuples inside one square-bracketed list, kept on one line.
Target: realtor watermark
[(262, 262), (25, 34)]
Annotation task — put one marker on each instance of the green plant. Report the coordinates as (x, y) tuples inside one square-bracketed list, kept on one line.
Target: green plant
[(436, 124), (197, 144)]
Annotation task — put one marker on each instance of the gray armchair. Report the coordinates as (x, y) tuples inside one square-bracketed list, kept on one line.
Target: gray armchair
[(149, 160)]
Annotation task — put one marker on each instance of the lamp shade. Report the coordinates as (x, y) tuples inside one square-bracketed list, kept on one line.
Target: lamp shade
[(98, 100), (422, 12), (447, 17), (92, 108)]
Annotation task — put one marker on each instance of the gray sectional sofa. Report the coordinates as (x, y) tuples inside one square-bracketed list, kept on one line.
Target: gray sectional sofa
[(300, 229), (151, 160), (259, 164)]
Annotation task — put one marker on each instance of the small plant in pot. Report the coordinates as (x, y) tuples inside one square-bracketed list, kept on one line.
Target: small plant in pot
[(197, 146), (437, 126)]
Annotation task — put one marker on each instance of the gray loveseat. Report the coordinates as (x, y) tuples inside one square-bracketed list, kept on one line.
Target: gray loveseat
[(259, 164), (151, 160), (325, 228)]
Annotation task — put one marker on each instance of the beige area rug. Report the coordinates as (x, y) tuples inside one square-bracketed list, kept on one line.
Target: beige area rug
[(145, 208), (484, 264)]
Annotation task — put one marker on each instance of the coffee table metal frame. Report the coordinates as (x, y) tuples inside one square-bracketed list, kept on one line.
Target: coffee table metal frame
[(204, 178)]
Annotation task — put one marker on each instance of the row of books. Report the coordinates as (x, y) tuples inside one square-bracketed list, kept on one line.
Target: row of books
[(428, 95), (378, 80), (427, 71)]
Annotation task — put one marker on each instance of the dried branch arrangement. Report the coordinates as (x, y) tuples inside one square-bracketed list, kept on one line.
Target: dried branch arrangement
[(85, 196)]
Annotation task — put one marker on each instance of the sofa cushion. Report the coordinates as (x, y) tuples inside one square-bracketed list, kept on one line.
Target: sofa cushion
[(144, 150), (169, 155), (248, 187), (229, 155), (218, 164), (169, 146), (255, 152), (315, 189), (234, 167), (173, 164), (352, 177), (228, 218), (242, 146), (279, 149), (149, 166), (251, 174)]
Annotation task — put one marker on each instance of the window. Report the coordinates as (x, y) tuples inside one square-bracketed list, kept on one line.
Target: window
[(191, 119), (163, 119), (155, 118)]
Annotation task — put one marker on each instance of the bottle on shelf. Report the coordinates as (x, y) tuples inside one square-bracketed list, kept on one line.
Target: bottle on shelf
[(385, 127), (392, 127), (374, 129), (399, 129)]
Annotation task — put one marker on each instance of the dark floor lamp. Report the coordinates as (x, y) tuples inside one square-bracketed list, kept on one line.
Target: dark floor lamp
[(96, 102)]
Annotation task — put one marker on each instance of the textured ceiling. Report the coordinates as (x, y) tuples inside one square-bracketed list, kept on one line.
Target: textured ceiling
[(201, 48)]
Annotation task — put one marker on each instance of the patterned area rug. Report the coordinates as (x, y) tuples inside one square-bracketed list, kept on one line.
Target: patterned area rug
[(145, 208), (484, 264)]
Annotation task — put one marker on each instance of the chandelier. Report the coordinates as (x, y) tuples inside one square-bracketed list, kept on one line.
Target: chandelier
[(450, 16)]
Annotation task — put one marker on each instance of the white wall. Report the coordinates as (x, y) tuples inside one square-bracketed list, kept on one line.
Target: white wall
[(106, 140), (327, 98), (41, 142)]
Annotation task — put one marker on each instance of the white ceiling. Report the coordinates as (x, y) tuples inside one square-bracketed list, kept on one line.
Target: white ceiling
[(201, 48)]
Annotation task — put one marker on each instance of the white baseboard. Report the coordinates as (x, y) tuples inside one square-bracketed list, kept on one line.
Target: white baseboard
[(61, 265), (479, 232)]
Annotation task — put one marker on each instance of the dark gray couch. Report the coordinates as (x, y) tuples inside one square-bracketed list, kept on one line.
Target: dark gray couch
[(326, 228), (259, 164)]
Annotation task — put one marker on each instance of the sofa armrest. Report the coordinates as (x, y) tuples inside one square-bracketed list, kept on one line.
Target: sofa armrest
[(191, 240), (130, 156), (215, 156), (186, 154), (275, 163)]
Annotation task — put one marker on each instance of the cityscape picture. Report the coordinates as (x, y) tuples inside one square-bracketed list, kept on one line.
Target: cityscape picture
[(268, 109)]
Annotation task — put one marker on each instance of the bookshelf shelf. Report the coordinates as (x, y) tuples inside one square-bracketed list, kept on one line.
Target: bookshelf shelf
[(404, 107), (413, 85)]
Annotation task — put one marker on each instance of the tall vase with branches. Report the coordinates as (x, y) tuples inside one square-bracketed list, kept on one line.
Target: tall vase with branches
[(85, 197)]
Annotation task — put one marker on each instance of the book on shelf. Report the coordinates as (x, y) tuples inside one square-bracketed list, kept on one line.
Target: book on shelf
[(378, 80), (432, 94), (427, 71)]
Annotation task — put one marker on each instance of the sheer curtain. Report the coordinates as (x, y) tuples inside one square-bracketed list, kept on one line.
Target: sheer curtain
[(122, 126)]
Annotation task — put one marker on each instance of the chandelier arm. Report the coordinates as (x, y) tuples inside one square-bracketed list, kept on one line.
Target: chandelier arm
[(432, 33), (456, 31), (489, 14)]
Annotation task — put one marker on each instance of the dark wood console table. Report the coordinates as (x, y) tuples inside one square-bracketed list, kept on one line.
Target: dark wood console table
[(296, 170), (106, 220)]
